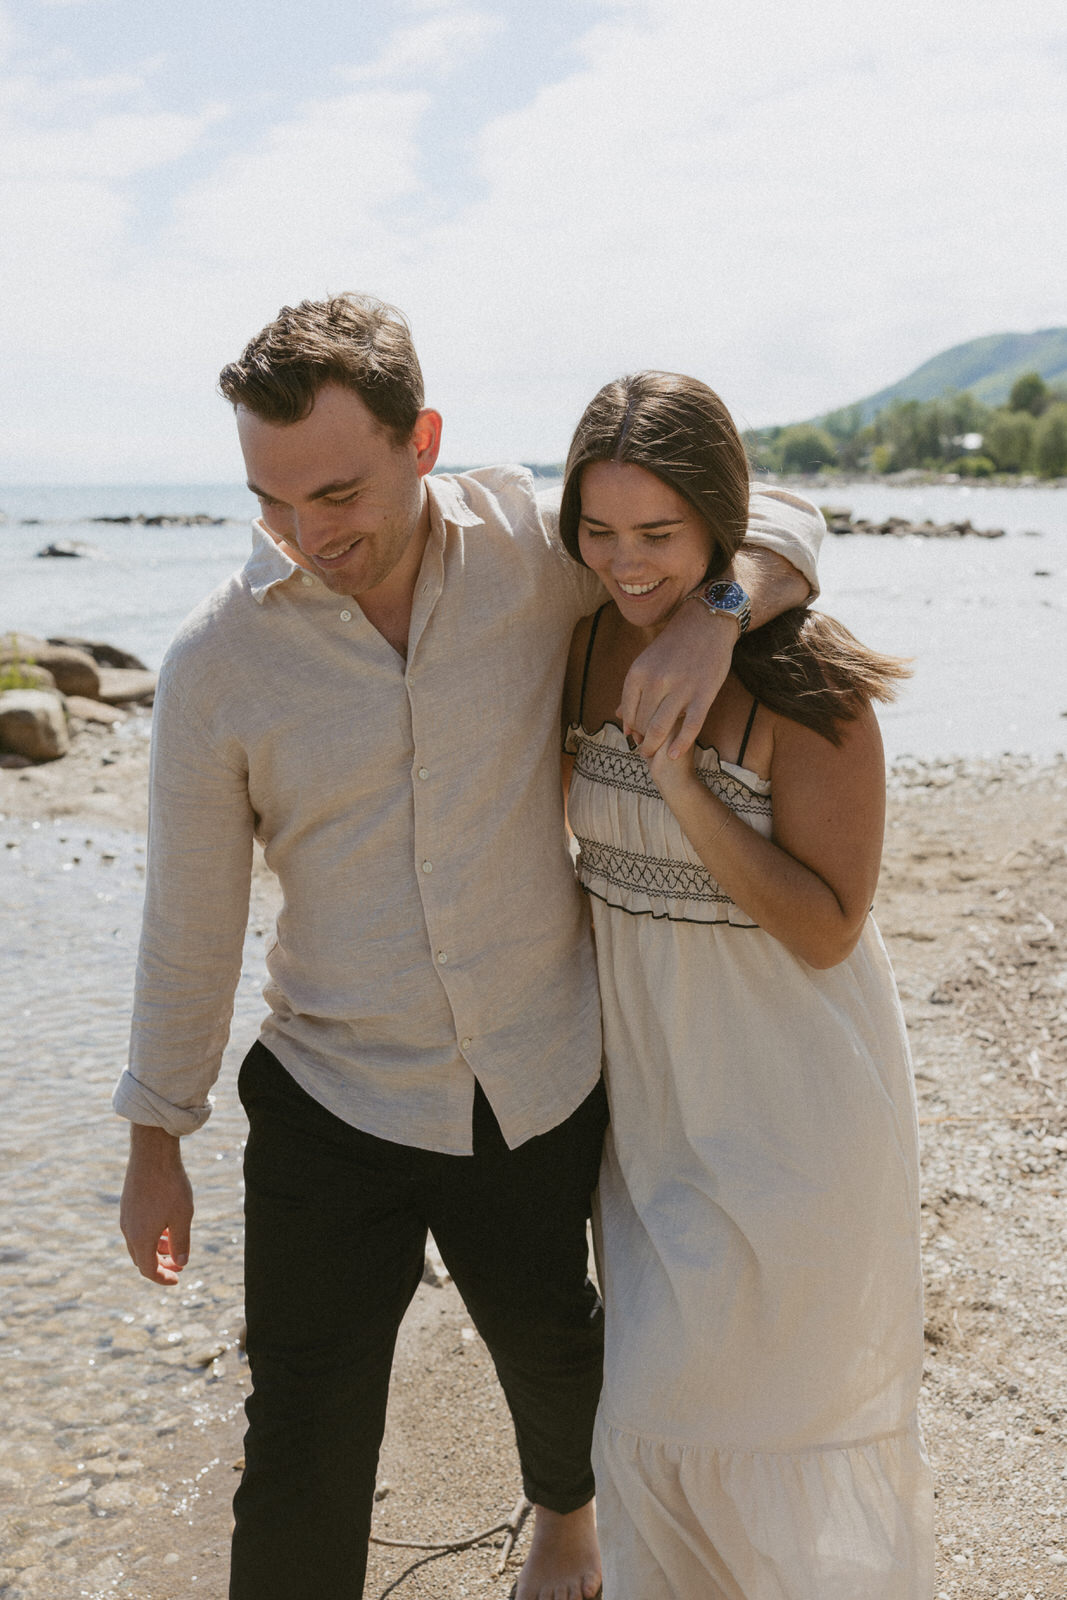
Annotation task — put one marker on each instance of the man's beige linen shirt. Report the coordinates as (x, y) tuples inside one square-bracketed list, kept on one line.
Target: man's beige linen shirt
[(431, 930)]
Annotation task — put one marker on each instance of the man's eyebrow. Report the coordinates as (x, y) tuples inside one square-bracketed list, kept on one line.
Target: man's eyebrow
[(316, 494), (338, 487)]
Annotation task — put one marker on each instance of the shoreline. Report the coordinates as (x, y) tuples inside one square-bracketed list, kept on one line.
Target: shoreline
[(105, 775), (546, 475), (117, 1464)]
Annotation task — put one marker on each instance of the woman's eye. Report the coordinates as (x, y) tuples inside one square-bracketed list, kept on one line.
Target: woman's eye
[(657, 538)]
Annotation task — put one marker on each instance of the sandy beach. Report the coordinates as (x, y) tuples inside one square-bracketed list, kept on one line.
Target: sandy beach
[(122, 1402)]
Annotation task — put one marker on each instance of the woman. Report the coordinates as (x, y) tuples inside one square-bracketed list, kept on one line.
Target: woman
[(757, 1436)]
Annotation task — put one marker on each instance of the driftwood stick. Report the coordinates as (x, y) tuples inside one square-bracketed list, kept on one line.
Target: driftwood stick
[(522, 1510), (510, 1527), (1039, 1115)]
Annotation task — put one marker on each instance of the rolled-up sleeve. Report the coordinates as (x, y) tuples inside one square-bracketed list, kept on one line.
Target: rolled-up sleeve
[(789, 525), (200, 833)]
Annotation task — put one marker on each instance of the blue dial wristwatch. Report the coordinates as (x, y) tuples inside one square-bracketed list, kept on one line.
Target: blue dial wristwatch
[(727, 597)]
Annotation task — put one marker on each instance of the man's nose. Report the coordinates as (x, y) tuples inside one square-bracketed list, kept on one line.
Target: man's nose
[(313, 528)]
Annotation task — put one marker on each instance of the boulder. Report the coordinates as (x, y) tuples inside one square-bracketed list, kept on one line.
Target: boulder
[(125, 685), (33, 723), (74, 671), (105, 655), (94, 711), (19, 644), (32, 676)]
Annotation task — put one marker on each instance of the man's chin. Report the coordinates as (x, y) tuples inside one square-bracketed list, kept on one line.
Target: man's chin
[(341, 580)]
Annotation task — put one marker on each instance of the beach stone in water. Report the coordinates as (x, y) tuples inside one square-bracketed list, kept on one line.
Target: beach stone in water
[(33, 723)]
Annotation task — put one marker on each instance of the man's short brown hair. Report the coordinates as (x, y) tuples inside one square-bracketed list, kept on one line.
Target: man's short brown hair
[(351, 339)]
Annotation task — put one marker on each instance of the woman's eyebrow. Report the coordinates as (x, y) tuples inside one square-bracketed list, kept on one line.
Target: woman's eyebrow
[(642, 527)]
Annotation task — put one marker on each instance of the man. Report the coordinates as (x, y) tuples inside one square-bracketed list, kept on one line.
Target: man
[(376, 698)]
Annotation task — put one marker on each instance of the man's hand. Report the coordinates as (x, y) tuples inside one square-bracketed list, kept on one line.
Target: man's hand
[(156, 1213), (673, 682)]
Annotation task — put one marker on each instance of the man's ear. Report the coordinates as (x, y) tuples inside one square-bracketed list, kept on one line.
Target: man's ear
[(426, 437)]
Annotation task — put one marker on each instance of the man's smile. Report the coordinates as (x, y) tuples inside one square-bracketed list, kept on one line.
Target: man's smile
[(336, 559)]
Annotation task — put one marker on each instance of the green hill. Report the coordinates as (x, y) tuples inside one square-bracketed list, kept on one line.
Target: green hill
[(987, 367)]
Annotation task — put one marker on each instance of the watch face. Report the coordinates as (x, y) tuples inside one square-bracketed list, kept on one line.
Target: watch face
[(725, 596)]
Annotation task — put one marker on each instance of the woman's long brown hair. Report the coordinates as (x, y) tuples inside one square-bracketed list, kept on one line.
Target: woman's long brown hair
[(803, 664)]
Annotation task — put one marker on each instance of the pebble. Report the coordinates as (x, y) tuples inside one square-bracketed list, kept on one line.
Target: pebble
[(72, 1494)]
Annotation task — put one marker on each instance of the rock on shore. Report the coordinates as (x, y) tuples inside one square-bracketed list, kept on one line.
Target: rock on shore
[(839, 520), (46, 686)]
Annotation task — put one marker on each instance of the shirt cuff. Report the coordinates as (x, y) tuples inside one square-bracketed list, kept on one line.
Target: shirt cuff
[(137, 1103)]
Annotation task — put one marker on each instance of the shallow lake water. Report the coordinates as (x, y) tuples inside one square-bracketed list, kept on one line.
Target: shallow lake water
[(94, 1360)]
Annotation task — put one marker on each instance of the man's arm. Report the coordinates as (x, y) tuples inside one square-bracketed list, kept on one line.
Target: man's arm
[(189, 962), (672, 684)]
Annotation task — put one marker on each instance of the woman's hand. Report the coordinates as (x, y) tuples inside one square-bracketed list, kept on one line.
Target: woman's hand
[(674, 777)]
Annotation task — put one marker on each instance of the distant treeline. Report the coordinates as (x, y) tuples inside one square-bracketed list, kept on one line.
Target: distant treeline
[(957, 433)]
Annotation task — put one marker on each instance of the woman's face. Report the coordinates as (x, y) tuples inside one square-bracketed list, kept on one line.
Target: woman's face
[(645, 541)]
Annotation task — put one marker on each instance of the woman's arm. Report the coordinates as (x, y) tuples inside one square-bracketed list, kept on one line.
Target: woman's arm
[(811, 886)]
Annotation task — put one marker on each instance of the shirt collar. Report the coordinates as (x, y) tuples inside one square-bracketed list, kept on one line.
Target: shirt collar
[(447, 497), (269, 565)]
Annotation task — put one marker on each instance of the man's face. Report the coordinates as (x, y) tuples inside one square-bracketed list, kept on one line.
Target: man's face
[(339, 490)]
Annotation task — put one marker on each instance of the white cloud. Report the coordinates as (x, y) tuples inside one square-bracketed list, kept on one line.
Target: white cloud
[(111, 147), (799, 232), (311, 189), (434, 47), (789, 202)]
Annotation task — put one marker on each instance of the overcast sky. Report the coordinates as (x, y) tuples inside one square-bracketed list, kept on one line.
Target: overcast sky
[(799, 203)]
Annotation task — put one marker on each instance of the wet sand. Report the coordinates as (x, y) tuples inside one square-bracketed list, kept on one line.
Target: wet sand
[(121, 1401)]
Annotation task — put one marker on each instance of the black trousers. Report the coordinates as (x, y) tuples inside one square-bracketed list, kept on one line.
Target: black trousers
[(335, 1230)]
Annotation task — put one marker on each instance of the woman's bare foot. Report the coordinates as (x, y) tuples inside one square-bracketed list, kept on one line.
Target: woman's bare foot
[(564, 1559)]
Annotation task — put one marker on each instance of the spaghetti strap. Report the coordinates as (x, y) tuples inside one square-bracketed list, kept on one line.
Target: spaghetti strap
[(588, 659), (748, 730)]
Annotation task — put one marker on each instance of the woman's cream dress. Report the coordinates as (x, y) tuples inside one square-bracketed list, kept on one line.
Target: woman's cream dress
[(758, 1230)]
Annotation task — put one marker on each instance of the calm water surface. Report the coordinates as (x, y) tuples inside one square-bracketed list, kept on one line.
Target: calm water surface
[(984, 620)]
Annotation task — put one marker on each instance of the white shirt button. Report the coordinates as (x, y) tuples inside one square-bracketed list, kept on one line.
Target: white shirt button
[(423, 773), (442, 957), (464, 1044), (346, 616), (427, 866), (307, 580)]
